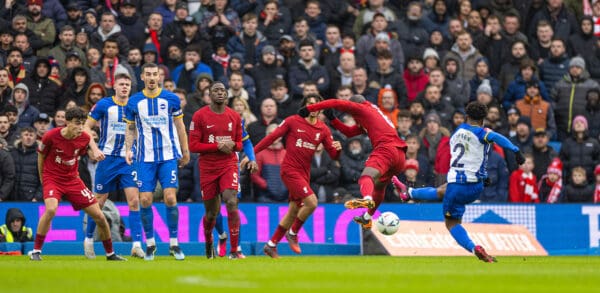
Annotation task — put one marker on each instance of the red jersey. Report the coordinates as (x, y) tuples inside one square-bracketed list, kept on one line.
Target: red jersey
[(208, 129), (372, 121), (301, 141), (62, 155)]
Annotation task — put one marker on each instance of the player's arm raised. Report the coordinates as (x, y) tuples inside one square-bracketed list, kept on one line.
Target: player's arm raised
[(280, 131), (96, 154), (183, 141), (333, 147)]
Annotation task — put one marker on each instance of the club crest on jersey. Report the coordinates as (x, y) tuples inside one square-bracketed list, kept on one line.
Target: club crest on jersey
[(317, 136), (211, 139), (163, 106), (99, 187)]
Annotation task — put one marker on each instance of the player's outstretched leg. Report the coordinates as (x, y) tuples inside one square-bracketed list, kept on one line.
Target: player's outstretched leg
[(367, 186), (222, 246), (401, 189)]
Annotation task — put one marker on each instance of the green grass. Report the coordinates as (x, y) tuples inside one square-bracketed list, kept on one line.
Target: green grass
[(302, 274)]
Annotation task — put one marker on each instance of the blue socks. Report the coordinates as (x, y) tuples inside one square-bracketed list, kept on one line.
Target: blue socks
[(148, 221), (172, 220), (219, 224), (91, 227), (460, 235), (135, 225), (424, 193)]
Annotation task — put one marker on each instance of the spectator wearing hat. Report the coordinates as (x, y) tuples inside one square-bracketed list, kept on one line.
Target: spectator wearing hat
[(66, 46), (551, 183), (91, 22), (265, 72), (382, 42), (523, 139), (517, 88), (569, 96), (6, 42), (579, 149), (542, 153), (74, 16), (27, 183), (438, 18), (415, 77), (436, 140), (249, 42), (41, 124), (307, 69), (431, 60), (42, 26), (539, 111), (592, 112), (368, 14), (26, 112), (14, 230), (512, 117), (410, 175), (496, 186), (556, 65), (174, 29), (29, 57), (482, 72), (194, 100), (411, 32), (272, 22), (131, 23), (484, 93), (44, 94)]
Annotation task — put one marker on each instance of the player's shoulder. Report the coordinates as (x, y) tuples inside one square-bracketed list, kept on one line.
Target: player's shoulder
[(52, 133), (135, 98)]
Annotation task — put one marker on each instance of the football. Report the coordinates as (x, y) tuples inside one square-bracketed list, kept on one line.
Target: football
[(388, 223)]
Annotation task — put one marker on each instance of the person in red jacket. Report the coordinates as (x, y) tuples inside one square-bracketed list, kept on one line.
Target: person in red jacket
[(522, 185), (415, 77)]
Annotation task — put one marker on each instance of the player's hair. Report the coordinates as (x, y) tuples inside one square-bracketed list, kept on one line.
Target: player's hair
[(214, 84), (311, 96), (357, 99), (149, 65), (476, 111), (75, 113), (122, 75)]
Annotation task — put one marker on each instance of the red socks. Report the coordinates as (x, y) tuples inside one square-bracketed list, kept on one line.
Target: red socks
[(297, 225), (39, 241), (378, 196), (233, 221), (108, 247), (366, 185), (279, 233)]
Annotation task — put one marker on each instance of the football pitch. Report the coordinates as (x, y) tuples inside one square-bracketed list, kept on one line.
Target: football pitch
[(302, 274)]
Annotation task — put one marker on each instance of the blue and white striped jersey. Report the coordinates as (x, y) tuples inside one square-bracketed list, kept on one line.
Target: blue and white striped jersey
[(111, 116), (153, 116), (470, 148)]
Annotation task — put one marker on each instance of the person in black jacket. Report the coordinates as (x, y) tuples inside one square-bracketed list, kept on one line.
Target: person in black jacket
[(7, 172), (27, 184), (324, 174), (352, 161), (580, 150), (44, 94)]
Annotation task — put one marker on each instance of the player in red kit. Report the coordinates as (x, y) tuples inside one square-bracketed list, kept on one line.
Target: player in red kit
[(216, 133), (58, 160), (302, 137), (387, 158)]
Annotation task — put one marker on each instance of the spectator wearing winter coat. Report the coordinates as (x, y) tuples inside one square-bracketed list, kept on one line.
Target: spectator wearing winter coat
[(27, 184), (569, 96), (482, 72), (416, 152), (438, 18), (193, 66), (465, 53), (516, 89), (131, 24), (273, 23), (415, 77), (579, 44), (27, 113), (267, 182), (387, 76), (369, 14), (436, 140), (578, 189), (352, 161), (580, 150), (411, 32), (455, 85), (556, 65), (542, 153), (307, 69), (249, 42), (558, 15), (512, 64), (265, 72), (592, 112), (65, 47), (551, 183), (44, 93), (496, 189), (382, 42), (189, 181), (325, 175), (109, 29), (433, 103), (7, 169), (539, 111)]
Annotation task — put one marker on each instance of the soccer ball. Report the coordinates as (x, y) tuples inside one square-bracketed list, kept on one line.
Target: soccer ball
[(388, 223)]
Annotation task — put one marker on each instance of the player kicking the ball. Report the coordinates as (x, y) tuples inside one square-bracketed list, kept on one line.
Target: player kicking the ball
[(470, 145), (302, 137), (387, 158), (58, 160), (113, 171)]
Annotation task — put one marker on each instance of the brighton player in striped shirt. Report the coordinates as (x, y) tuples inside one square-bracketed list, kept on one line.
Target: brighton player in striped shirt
[(302, 137), (155, 120), (470, 145), (113, 171)]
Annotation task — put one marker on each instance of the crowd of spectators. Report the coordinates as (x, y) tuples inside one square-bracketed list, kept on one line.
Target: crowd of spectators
[(534, 63)]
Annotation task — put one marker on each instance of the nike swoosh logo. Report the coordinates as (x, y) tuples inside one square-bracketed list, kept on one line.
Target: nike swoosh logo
[(209, 126), (300, 130)]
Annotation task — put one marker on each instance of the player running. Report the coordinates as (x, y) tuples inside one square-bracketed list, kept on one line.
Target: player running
[(113, 171), (154, 119), (302, 137), (387, 158), (58, 160), (470, 145), (216, 133)]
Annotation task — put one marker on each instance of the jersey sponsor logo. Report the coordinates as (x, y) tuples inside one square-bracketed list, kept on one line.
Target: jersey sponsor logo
[(118, 127), (155, 121), (304, 144), (59, 160)]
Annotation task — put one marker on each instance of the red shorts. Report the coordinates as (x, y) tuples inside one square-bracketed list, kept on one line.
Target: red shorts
[(389, 161), (75, 192), (214, 182), (298, 185)]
